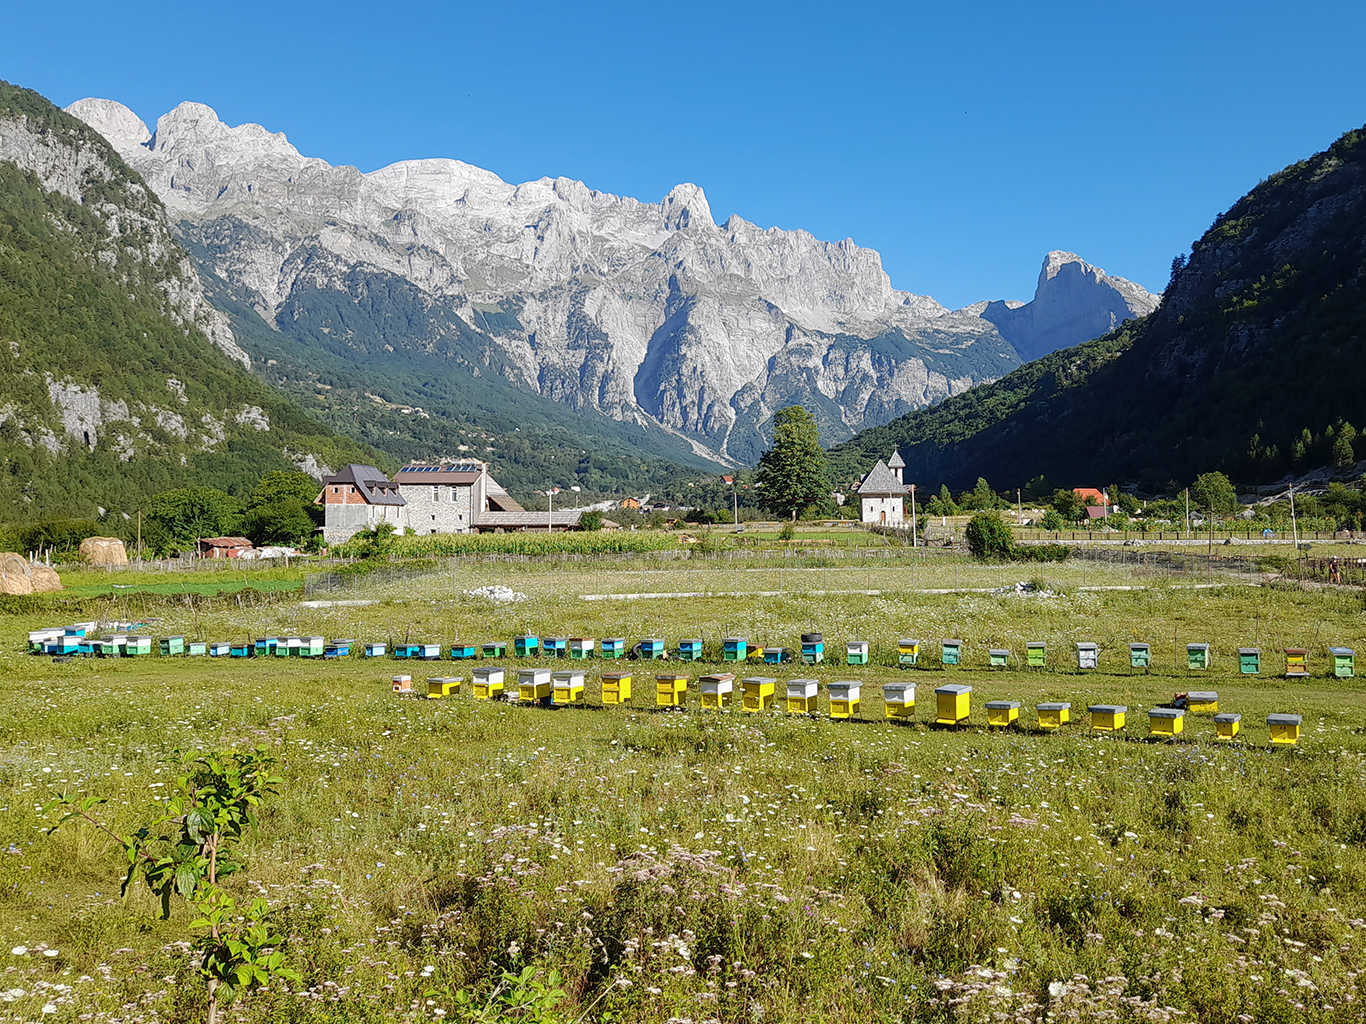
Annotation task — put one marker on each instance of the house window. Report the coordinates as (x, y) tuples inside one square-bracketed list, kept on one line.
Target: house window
[(436, 494), (433, 520), (336, 490), (454, 495)]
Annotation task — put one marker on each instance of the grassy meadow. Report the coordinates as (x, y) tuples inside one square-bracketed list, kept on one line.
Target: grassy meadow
[(721, 866)]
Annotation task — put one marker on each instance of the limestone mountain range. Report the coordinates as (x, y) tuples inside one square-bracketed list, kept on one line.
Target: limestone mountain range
[(649, 313)]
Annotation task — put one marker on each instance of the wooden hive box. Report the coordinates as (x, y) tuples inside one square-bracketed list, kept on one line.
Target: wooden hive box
[(1296, 663), (139, 646), (1036, 654), (813, 648), (402, 684), (555, 646), (172, 645), (801, 696), (496, 649), (953, 704), (671, 690), (1344, 662), (242, 650), (734, 648), (196, 648), (844, 698), (1285, 729), (1140, 655), (898, 700), (442, 686), (1002, 713), (1166, 723), (582, 647), (567, 686), (1197, 657), (265, 646), (616, 687), (1227, 725), (1107, 717), (312, 646), (652, 649), (1054, 714), (1088, 656), (526, 646), (757, 692), (219, 649), (1250, 660), (339, 648), (614, 648), (717, 689), (690, 649), (407, 651), (533, 685), (775, 655), (487, 682), (291, 647), (908, 652), (856, 652), (429, 652), (112, 646), (951, 652), (998, 657), (1203, 702), (376, 650), (461, 651)]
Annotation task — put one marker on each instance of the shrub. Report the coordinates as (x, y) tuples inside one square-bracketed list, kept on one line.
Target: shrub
[(989, 538)]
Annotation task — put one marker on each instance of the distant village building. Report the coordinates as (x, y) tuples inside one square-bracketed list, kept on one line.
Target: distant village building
[(882, 494), (1097, 502), (451, 498), (359, 498), (224, 547)]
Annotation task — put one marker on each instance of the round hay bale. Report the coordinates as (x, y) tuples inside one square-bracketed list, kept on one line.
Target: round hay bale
[(104, 551), (42, 579), (14, 577)]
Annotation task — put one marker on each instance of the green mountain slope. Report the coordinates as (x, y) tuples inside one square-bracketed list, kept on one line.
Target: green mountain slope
[(110, 389), (1252, 365)]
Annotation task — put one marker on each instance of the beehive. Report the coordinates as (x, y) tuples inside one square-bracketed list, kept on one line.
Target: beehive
[(40, 638), (1140, 655), (429, 652), (86, 645), (856, 652), (139, 646), (172, 645), (242, 650), (1107, 717), (690, 650), (717, 689), (1088, 656), (951, 652), (616, 687), (526, 646), (555, 646), (1250, 660), (813, 648), (196, 648), (567, 686), (497, 649), (671, 690), (220, 650), (442, 686), (407, 650), (487, 682), (1002, 713), (775, 655), (1166, 722), (952, 704), (757, 692), (908, 652), (1054, 714), (652, 649), (1197, 657), (582, 647), (734, 648), (461, 651), (266, 645), (533, 685), (614, 648), (1285, 729), (1296, 663), (402, 684), (376, 650), (1226, 725), (291, 647), (898, 700), (312, 646), (801, 696), (117, 645), (1203, 702), (1036, 654), (339, 649), (844, 698), (999, 657), (1344, 659)]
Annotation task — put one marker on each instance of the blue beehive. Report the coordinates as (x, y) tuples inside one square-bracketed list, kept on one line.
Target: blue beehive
[(242, 650), (813, 648), (407, 650), (776, 655), (526, 646), (556, 646), (219, 649), (376, 649), (690, 650), (338, 649), (461, 651), (265, 646), (614, 647), (651, 649), (734, 648)]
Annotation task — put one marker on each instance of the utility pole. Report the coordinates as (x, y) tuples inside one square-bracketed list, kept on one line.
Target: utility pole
[(550, 505), (1294, 523), (915, 539), (139, 536), (1188, 513), (735, 501)]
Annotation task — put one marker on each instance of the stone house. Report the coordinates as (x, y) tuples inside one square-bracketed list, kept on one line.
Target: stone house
[(358, 498), (451, 498)]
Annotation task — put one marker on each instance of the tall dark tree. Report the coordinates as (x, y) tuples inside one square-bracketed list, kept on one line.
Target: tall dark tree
[(792, 475)]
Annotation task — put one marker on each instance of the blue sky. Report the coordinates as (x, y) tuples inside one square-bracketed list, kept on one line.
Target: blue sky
[(961, 140)]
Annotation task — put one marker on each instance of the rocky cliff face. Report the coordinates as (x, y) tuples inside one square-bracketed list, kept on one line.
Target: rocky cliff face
[(648, 312)]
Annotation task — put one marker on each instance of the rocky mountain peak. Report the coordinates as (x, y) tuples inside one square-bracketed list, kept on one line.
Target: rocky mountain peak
[(686, 205), (120, 126)]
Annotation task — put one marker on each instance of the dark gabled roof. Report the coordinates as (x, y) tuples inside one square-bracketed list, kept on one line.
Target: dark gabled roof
[(463, 474), (881, 482), (374, 486)]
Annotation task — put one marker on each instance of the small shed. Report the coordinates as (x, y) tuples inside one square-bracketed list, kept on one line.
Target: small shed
[(1166, 723), (844, 698), (801, 696), (1002, 713), (616, 687), (757, 692), (1250, 660), (1053, 715), (856, 652), (898, 700), (717, 689), (488, 682), (223, 547), (1285, 729), (1107, 717)]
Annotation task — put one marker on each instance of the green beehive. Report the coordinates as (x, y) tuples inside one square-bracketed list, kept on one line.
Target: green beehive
[(1343, 662), (172, 645), (1197, 657), (951, 652), (1000, 657), (1036, 654), (1140, 655), (1249, 660)]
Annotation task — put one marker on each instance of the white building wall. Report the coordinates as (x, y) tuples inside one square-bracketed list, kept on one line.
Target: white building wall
[(439, 508), (875, 508)]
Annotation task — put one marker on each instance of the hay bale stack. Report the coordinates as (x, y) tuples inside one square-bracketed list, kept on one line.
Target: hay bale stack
[(18, 577), (44, 579), (104, 551)]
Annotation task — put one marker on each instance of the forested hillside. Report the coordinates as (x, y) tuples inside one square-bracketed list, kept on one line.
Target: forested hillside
[(1253, 365)]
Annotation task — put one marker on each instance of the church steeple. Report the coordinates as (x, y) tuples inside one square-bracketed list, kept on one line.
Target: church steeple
[(896, 464)]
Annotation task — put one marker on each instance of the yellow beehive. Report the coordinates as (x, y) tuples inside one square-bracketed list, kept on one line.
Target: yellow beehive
[(671, 690), (898, 700), (1285, 729), (487, 682), (616, 687), (1002, 713), (1226, 725), (533, 684), (1296, 663), (801, 696), (1202, 702), (442, 686), (403, 684), (844, 698), (952, 704), (1107, 717), (566, 686), (757, 692), (1166, 723), (1054, 714), (717, 689)]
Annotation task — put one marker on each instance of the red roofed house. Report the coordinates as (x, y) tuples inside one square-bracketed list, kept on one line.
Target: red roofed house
[(1097, 502), (223, 547)]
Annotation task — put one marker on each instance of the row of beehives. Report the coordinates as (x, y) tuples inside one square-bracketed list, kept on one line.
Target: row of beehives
[(953, 702)]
